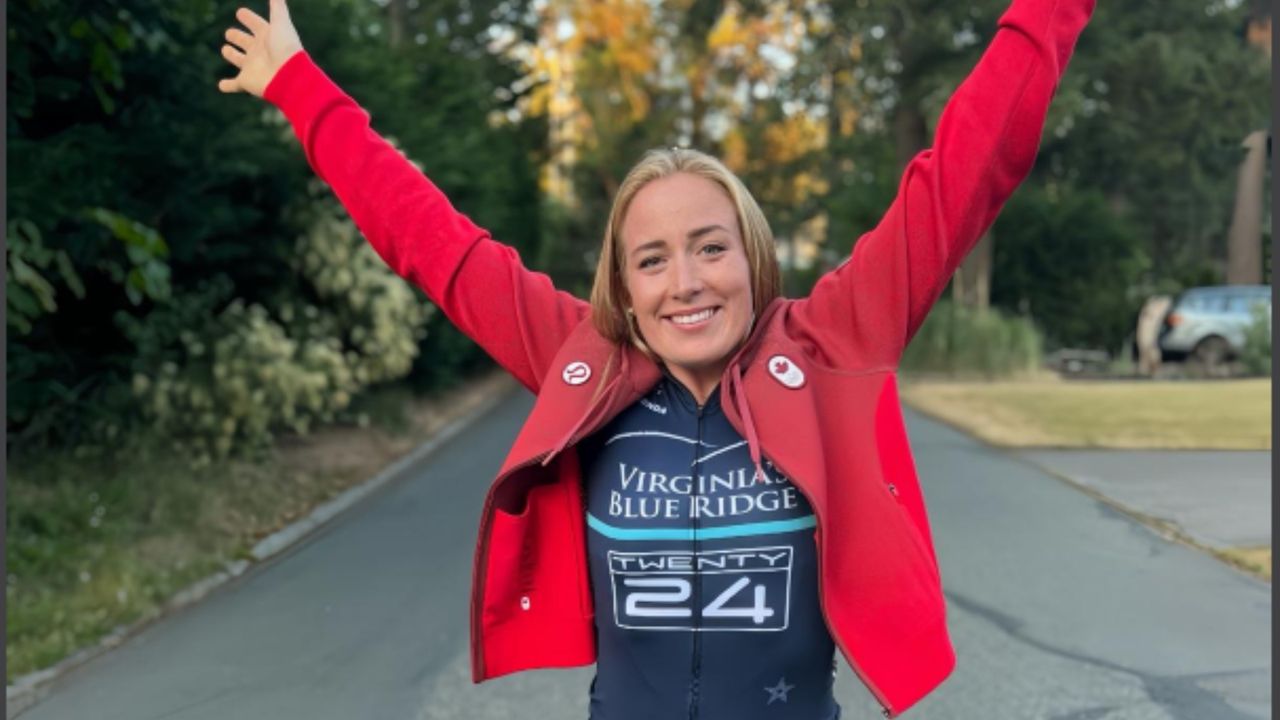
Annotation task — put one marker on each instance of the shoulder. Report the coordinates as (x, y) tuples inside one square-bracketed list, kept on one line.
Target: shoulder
[(787, 327)]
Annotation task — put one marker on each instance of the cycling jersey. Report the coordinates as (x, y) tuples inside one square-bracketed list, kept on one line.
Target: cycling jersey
[(704, 574)]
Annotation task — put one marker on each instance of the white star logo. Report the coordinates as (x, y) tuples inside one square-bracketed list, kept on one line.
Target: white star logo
[(779, 691)]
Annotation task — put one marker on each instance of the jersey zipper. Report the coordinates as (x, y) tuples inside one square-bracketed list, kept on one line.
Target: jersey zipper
[(695, 682)]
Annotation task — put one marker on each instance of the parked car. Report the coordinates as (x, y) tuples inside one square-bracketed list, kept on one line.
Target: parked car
[(1207, 324)]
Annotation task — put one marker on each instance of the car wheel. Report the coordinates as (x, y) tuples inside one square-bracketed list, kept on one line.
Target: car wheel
[(1211, 353)]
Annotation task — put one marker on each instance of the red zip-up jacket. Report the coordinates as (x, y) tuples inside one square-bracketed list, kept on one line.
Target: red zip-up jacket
[(814, 387)]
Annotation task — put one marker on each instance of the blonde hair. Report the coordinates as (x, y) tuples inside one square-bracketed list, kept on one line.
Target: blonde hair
[(609, 293)]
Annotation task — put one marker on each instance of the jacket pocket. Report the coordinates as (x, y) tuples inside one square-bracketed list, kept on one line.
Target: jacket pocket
[(533, 573), (508, 572)]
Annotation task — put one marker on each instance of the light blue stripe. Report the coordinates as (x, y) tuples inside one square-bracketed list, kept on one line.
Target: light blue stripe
[(728, 531)]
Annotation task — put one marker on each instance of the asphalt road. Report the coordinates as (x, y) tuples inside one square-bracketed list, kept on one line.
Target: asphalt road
[(1060, 608), (1219, 498)]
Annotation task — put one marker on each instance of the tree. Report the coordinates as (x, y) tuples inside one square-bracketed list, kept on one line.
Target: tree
[(144, 193), (1159, 97)]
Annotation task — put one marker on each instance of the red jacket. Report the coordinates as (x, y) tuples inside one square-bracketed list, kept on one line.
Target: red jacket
[(838, 435)]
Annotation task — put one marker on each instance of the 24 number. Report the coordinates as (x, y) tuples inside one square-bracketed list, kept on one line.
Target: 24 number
[(670, 593)]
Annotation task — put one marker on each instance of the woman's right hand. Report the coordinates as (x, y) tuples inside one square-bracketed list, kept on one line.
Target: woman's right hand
[(261, 51)]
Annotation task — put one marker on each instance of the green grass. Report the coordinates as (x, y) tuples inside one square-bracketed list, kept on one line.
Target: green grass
[(93, 544), (1224, 414), (1256, 560), (963, 342)]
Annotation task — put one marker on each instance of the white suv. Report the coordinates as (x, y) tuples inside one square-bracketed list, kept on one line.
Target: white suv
[(1208, 323)]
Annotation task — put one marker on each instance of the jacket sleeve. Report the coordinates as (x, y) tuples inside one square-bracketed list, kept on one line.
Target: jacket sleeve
[(516, 315), (868, 308)]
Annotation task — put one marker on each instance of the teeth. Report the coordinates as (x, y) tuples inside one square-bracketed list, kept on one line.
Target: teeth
[(689, 319)]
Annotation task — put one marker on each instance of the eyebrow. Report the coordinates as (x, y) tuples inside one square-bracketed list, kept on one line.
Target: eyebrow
[(692, 235)]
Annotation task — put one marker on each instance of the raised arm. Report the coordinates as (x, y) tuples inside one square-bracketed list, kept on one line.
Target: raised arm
[(867, 309), (516, 315)]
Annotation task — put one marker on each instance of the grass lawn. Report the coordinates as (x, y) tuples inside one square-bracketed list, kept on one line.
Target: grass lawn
[(1207, 415)]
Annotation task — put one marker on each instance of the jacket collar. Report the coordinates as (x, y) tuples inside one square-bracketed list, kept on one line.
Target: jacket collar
[(643, 373), (631, 374)]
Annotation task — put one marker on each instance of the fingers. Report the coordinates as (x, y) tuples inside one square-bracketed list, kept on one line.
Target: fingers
[(233, 56), (252, 20), (239, 38), (229, 85)]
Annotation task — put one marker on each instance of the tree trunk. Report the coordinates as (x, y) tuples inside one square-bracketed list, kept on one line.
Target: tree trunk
[(971, 286), (397, 22), (910, 134), (698, 109), (1244, 239)]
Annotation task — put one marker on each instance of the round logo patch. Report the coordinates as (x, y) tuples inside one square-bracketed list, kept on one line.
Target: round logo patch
[(785, 371), (576, 373)]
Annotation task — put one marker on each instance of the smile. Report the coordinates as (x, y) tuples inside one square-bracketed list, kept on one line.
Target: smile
[(695, 318)]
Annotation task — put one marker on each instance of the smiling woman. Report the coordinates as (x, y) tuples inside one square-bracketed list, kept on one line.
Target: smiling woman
[(678, 276), (688, 365)]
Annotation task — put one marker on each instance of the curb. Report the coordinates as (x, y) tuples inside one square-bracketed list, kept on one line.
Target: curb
[(28, 690), (1166, 529)]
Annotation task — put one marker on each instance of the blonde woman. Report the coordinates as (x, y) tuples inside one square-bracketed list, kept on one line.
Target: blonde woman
[(714, 490)]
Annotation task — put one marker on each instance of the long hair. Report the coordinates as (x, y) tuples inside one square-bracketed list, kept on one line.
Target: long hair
[(609, 293)]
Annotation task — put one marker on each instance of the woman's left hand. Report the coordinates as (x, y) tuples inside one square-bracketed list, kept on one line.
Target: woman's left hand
[(261, 52)]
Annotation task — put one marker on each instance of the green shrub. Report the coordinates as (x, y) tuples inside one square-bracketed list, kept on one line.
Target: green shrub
[(1070, 261), (959, 341), (1256, 354), (245, 373)]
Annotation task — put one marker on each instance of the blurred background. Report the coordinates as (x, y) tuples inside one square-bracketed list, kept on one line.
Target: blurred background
[(193, 320)]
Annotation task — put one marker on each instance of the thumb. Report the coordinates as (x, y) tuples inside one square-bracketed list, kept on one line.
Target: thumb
[(278, 10)]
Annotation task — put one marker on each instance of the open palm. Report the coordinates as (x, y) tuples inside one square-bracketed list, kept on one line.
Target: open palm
[(261, 51)]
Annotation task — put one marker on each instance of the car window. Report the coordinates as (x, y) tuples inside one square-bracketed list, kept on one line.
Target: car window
[(1242, 303), (1218, 302), (1245, 304), (1208, 303)]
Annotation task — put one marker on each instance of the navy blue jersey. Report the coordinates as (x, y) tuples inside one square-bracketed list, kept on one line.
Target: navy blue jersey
[(704, 575)]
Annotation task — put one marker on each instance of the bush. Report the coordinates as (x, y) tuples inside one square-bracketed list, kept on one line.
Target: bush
[(959, 341), (247, 372), (141, 183), (1069, 261), (1255, 357)]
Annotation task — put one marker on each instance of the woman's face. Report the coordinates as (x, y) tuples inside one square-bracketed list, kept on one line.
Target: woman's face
[(685, 269)]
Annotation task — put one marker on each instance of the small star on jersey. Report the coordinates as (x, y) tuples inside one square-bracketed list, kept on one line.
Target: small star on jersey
[(779, 691)]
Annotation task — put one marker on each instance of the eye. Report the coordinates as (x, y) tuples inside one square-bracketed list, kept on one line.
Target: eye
[(648, 262), (714, 248)]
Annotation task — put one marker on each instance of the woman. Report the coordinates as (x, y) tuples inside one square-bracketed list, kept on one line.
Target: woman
[(714, 489)]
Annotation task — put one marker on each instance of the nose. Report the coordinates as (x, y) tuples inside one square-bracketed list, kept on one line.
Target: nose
[(686, 280)]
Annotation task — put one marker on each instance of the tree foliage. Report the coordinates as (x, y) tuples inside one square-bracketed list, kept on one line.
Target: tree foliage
[(139, 193), (141, 197), (1067, 261), (1158, 101), (819, 107)]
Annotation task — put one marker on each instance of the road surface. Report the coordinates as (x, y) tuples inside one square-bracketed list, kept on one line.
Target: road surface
[(1060, 608)]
